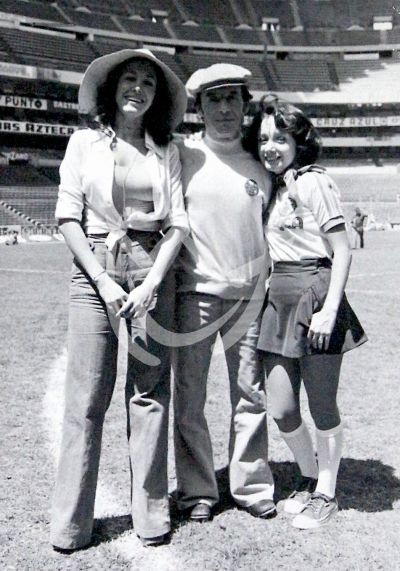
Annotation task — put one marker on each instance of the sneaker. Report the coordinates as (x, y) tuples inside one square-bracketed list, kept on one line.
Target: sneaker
[(298, 499), (319, 511)]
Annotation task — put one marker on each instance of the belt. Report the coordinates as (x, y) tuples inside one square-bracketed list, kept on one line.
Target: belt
[(131, 233), (301, 265)]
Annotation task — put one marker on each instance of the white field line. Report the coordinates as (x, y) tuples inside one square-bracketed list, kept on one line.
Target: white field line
[(53, 410), (369, 291), (26, 271), (127, 545), (372, 292), (370, 275)]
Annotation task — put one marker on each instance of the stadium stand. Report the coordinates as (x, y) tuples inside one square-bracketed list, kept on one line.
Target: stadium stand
[(37, 10), (212, 12), (117, 7), (147, 8), (291, 75), (193, 61), (35, 202), (357, 37), (105, 46), (342, 14), (8, 217), (47, 49), (15, 175), (300, 48), (144, 28), (91, 20), (279, 9), (317, 14), (245, 36), (190, 32), (386, 72)]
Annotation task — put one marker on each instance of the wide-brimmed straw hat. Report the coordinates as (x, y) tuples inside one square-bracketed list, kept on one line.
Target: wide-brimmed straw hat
[(97, 72)]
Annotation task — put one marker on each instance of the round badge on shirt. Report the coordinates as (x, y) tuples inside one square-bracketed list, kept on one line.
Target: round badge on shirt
[(251, 187)]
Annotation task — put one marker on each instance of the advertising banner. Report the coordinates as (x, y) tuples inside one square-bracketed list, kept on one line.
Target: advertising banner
[(28, 128)]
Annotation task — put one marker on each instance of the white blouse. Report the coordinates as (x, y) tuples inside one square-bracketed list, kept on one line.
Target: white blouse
[(86, 182)]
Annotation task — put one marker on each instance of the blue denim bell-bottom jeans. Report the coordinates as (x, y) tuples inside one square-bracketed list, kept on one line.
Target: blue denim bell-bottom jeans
[(90, 380)]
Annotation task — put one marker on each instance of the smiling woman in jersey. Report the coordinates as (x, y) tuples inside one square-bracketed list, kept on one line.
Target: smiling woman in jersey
[(120, 209), (307, 323)]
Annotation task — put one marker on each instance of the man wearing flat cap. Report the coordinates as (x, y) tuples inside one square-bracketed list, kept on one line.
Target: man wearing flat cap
[(221, 287)]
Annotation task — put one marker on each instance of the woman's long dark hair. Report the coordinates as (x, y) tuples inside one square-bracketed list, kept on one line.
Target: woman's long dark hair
[(290, 119), (156, 120)]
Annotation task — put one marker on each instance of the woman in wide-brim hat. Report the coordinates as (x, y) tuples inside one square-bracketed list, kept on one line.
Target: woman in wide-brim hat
[(120, 209)]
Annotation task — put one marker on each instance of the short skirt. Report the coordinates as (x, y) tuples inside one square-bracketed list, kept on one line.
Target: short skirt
[(297, 290)]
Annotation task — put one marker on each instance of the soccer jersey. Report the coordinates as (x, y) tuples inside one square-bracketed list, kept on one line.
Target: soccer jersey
[(304, 208)]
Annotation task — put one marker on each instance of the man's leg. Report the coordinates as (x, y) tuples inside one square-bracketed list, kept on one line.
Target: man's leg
[(193, 450), (251, 480)]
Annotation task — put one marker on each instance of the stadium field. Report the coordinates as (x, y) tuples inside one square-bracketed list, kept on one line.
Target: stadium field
[(364, 535)]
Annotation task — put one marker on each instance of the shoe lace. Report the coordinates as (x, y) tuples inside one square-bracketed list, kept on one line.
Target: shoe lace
[(317, 502)]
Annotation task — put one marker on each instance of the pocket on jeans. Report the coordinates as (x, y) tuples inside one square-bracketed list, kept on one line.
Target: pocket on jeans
[(138, 263)]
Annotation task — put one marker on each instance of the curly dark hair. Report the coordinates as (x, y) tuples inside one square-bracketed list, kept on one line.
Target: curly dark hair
[(290, 119), (156, 120)]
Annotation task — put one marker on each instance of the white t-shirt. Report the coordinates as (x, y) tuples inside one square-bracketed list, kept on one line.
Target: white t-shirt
[(301, 213), (226, 192)]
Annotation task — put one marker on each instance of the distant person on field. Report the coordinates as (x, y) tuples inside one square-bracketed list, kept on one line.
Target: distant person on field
[(220, 290), (357, 223), (12, 238), (307, 323), (120, 209)]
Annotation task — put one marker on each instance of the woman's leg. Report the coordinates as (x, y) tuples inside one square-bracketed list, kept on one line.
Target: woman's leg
[(147, 401), (284, 381), (91, 371), (321, 378)]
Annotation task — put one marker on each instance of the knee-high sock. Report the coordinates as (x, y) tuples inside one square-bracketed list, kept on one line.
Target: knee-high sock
[(300, 443), (329, 450)]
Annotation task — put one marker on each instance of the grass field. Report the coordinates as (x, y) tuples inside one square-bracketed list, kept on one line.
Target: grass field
[(364, 536)]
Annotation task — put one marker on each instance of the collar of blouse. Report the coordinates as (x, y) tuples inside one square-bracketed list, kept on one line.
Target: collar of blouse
[(110, 139)]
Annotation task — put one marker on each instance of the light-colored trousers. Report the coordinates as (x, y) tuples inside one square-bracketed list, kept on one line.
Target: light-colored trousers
[(90, 380), (250, 477)]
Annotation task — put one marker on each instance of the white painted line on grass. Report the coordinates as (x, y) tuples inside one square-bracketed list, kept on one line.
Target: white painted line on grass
[(127, 545), (27, 271), (370, 275), (372, 292), (53, 410)]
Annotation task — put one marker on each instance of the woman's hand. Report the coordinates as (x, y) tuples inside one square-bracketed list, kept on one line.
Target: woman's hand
[(141, 299), (323, 322), (114, 296), (321, 327)]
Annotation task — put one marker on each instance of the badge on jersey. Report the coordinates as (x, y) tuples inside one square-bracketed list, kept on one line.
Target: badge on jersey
[(251, 187)]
